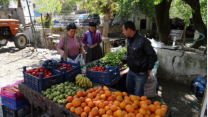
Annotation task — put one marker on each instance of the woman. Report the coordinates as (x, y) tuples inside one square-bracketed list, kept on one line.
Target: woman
[(68, 45), (92, 40)]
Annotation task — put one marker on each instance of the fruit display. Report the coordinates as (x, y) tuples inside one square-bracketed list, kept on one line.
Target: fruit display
[(36, 72), (101, 102), (59, 93), (99, 69), (68, 67), (83, 81)]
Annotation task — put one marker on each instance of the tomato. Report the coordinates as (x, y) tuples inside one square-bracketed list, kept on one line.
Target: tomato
[(31, 70), (37, 73), (50, 74), (103, 68), (41, 70), (27, 71), (33, 73), (45, 70), (47, 76)]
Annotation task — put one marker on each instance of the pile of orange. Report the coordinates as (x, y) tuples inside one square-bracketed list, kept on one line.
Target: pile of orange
[(100, 102)]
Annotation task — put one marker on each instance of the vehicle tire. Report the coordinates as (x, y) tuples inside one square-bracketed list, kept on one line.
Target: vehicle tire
[(3, 42), (20, 40)]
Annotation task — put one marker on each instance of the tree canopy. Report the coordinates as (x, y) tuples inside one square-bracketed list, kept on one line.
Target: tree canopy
[(49, 6)]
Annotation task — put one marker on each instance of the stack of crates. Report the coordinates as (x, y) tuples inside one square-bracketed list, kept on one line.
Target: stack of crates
[(13, 103)]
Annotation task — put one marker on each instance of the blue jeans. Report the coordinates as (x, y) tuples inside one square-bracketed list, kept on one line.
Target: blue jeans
[(135, 82)]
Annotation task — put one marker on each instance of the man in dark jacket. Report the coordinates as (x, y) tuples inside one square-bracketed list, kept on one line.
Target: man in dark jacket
[(140, 58)]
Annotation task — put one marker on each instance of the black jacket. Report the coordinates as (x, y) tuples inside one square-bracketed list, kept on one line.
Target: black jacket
[(140, 55)]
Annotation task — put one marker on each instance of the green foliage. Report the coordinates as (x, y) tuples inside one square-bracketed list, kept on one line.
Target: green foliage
[(6, 2), (203, 9), (68, 6), (49, 6), (47, 22)]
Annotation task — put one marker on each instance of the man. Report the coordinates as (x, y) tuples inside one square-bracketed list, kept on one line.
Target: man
[(140, 58)]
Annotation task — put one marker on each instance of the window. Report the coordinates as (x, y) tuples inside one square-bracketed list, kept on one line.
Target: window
[(143, 24), (33, 5)]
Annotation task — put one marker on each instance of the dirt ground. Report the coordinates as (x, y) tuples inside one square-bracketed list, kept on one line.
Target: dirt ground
[(177, 97)]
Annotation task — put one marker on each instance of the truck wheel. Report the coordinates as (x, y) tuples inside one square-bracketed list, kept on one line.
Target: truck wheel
[(3, 42), (20, 40)]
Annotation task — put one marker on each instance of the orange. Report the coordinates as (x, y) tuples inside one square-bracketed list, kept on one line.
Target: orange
[(72, 109), (105, 88), (132, 114), (76, 102), (84, 114), (129, 108), (127, 101), (157, 116), (87, 109), (146, 116), (70, 98), (79, 93), (143, 102), (119, 113), (127, 98), (143, 98), (101, 111), (135, 106), (156, 103), (122, 105), (148, 102), (107, 108), (103, 96), (94, 111), (68, 106), (75, 96), (87, 100), (94, 94), (109, 112), (101, 92), (84, 94), (83, 105), (114, 114), (136, 111), (82, 99), (133, 98), (144, 106), (158, 107), (159, 112), (152, 115), (138, 98), (116, 102), (164, 106), (101, 105), (107, 93), (136, 102), (124, 94), (105, 103), (110, 98), (92, 90), (118, 93), (89, 95), (91, 104), (126, 115), (148, 112), (142, 111), (164, 110), (119, 98), (152, 108), (95, 88), (139, 115), (78, 110), (113, 108)]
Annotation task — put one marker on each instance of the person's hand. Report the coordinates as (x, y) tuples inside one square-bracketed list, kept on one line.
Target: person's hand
[(83, 52), (62, 53), (120, 65), (148, 72), (124, 72)]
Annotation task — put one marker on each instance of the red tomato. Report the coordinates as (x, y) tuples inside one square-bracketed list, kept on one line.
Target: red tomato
[(37, 73), (31, 70), (33, 73), (41, 70), (45, 70), (27, 71), (47, 76), (103, 68), (50, 74)]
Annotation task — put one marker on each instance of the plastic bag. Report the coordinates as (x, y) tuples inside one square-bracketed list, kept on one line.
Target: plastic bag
[(150, 87), (79, 58), (13, 95), (57, 57)]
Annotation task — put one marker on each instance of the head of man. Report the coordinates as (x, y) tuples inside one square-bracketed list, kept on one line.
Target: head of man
[(129, 29), (71, 28), (92, 26)]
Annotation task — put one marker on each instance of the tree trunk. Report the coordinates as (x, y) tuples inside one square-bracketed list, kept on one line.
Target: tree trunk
[(106, 25), (162, 20), (198, 22)]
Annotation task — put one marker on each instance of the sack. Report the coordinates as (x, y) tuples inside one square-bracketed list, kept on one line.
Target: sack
[(79, 58), (150, 87)]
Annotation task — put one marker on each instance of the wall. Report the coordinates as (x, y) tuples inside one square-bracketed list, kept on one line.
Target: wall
[(180, 66), (16, 13)]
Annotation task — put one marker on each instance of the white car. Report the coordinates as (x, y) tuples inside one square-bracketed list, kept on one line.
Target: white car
[(84, 19)]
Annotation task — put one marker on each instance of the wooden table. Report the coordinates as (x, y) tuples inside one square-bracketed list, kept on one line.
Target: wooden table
[(36, 99)]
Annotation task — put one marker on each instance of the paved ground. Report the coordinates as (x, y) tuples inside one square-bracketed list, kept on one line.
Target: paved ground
[(178, 97)]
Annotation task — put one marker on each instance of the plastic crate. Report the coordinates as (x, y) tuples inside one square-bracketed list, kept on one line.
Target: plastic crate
[(40, 84), (71, 74), (14, 104), (8, 112), (111, 75), (196, 90)]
